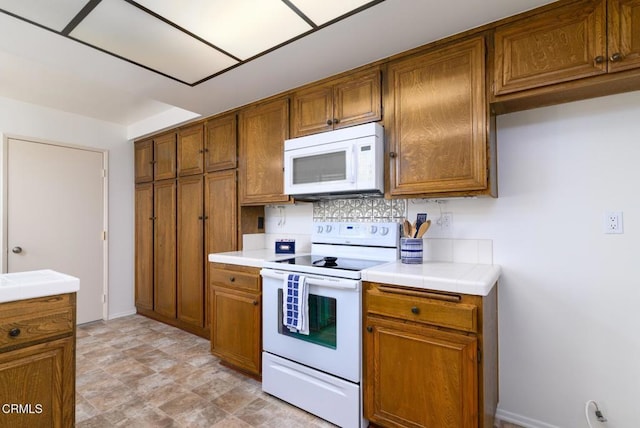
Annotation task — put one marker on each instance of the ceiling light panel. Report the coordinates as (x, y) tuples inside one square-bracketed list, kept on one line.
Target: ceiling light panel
[(321, 12), (51, 14), (243, 28), (127, 31)]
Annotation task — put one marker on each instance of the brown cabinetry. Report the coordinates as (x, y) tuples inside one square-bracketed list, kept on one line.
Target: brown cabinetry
[(190, 251), (571, 43), (262, 131), (143, 155), (236, 335), (164, 248), (164, 156), (37, 361), (221, 147), (437, 123), (337, 104), (144, 246), (191, 150), (430, 358)]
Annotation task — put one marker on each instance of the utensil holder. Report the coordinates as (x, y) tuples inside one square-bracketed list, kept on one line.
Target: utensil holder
[(411, 250)]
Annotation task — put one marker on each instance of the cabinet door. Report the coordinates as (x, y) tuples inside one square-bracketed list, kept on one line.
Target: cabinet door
[(191, 250), (312, 111), (164, 148), (164, 249), (235, 328), (561, 45), (144, 246), (263, 129), (438, 124), (42, 377), (358, 99), (415, 376), (143, 154), (624, 34), (191, 150), (221, 143)]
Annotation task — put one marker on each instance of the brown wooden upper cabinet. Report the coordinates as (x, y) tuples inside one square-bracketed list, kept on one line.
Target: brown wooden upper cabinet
[(337, 104), (220, 144), (191, 150), (437, 122), (164, 156), (143, 155), (582, 39), (262, 131)]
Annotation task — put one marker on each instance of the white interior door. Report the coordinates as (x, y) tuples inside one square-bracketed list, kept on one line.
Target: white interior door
[(55, 216)]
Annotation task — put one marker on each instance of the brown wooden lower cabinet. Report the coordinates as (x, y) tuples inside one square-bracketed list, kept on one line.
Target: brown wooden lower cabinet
[(37, 362), (236, 311), (430, 358)]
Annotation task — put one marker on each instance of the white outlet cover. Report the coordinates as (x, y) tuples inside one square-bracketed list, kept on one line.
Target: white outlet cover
[(612, 222)]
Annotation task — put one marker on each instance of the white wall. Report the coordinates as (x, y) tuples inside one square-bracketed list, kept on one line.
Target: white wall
[(568, 296), (30, 121)]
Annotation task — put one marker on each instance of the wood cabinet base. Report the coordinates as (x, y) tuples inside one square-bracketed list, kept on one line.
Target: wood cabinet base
[(174, 322)]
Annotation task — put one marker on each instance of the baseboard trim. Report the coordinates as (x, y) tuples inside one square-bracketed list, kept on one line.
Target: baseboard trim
[(523, 421), (122, 314)]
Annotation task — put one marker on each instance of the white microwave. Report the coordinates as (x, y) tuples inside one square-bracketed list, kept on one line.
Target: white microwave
[(342, 163)]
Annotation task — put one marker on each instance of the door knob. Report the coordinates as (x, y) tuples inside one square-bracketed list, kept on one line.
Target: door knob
[(16, 250)]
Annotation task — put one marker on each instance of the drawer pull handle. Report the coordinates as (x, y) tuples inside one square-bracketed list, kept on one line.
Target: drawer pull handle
[(415, 310), (14, 332), (616, 57), (255, 303), (232, 279), (427, 294), (369, 328)]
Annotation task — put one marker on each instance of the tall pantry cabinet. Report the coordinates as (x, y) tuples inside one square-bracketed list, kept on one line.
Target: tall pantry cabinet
[(186, 207)]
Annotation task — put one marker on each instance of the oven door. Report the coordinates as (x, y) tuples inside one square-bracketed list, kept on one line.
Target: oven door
[(333, 345)]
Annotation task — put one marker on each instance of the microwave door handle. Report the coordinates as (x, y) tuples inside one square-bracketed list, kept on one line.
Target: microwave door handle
[(354, 150)]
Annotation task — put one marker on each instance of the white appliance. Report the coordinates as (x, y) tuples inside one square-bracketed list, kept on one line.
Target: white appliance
[(322, 372), (337, 163)]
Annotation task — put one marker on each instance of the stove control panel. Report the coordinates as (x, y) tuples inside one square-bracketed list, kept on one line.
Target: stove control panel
[(355, 233)]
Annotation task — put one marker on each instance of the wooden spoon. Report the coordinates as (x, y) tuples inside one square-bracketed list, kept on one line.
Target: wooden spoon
[(406, 229), (423, 229)]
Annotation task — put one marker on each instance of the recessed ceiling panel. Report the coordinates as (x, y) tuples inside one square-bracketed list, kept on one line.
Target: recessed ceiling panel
[(53, 14), (321, 12), (244, 28), (129, 32)]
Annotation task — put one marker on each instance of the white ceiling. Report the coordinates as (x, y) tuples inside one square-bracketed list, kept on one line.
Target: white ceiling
[(40, 66)]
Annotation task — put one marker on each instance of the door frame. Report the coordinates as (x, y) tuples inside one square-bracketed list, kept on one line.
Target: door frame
[(4, 260)]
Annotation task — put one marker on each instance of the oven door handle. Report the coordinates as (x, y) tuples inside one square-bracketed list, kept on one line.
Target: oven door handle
[(347, 284)]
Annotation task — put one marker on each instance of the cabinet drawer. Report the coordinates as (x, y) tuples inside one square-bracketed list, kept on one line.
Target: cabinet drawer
[(235, 279), (412, 306), (54, 318)]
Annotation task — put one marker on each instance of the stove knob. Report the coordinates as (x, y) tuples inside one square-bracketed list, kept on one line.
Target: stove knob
[(384, 230), (329, 227), (319, 229), (373, 230)]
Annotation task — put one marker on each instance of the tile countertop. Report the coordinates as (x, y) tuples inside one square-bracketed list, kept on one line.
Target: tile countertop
[(37, 283), (465, 278)]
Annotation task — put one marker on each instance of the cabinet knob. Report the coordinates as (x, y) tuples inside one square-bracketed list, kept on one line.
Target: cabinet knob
[(616, 57), (369, 328), (232, 279), (14, 332), (16, 250), (200, 217), (415, 310), (336, 121), (201, 151), (599, 59), (392, 155), (329, 121), (255, 303)]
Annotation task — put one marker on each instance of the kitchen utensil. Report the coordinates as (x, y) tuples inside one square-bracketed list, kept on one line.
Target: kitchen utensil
[(423, 229), (421, 218), (406, 229)]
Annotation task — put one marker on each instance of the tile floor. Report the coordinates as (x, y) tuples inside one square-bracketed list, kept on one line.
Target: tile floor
[(136, 372)]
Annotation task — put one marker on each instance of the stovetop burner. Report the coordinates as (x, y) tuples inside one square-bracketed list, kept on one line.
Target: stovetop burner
[(328, 262)]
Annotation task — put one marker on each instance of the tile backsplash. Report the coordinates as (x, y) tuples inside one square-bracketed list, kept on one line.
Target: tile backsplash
[(374, 209)]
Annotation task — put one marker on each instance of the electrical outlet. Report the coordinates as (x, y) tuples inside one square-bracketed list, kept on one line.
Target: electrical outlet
[(446, 222), (613, 222)]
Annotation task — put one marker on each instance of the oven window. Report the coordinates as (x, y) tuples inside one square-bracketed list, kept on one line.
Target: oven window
[(320, 168), (322, 321)]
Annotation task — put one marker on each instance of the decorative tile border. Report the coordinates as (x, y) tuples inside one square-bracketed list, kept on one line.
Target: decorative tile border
[(376, 210)]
